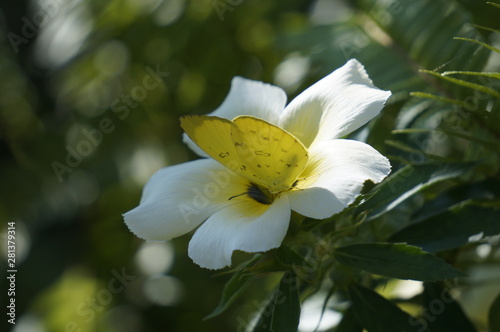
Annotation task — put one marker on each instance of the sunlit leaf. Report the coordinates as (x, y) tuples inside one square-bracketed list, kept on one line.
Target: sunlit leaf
[(463, 83), (472, 73), (488, 46)]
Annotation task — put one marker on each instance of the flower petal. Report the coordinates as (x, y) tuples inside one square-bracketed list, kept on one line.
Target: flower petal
[(248, 97), (178, 198), (335, 175), (246, 225), (334, 106)]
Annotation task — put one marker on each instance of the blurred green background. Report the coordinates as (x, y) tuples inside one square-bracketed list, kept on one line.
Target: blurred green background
[(85, 123)]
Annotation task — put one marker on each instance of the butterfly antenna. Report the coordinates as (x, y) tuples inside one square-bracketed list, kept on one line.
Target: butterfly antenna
[(230, 198)]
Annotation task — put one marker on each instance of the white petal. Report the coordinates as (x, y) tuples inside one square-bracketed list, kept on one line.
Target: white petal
[(335, 175), (247, 97), (334, 106), (317, 203), (178, 198), (246, 225)]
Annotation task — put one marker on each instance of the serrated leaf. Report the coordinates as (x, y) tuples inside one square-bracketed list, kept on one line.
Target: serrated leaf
[(395, 260), (377, 314), (234, 287), (451, 229), (494, 315), (408, 181), (442, 312)]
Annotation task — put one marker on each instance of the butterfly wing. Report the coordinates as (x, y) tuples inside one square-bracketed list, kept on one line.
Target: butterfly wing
[(257, 150), (272, 155)]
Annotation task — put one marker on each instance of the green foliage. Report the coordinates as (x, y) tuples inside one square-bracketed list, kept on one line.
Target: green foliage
[(377, 314), (395, 261), (349, 323), (452, 228), (494, 315), (282, 312), (408, 181), (445, 313), (234, 287), (435, 217)]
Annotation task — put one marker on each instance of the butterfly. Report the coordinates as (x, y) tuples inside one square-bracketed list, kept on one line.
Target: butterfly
[(261, 152)]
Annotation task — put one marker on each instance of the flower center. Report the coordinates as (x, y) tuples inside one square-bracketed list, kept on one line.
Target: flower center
[(260, 194)]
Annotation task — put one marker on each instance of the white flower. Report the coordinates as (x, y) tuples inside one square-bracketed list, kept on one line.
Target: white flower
[(237, 214)]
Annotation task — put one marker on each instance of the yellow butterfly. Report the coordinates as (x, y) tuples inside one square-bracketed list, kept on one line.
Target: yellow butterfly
[(261, 152)]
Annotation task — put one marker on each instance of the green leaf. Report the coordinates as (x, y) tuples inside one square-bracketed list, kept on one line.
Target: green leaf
[(282, 312), (488, 46), (472, 73), (437, 98), (395, 260), (485, 28), (426, 43), (286, 256), (349, 322), (266, 316), (494, 315), (377, 314), (234, 287), (463, 83), (286, 313), (450, 229), (408, 181), (442, 312), (486, 143), (494, 4), (415, 151)]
